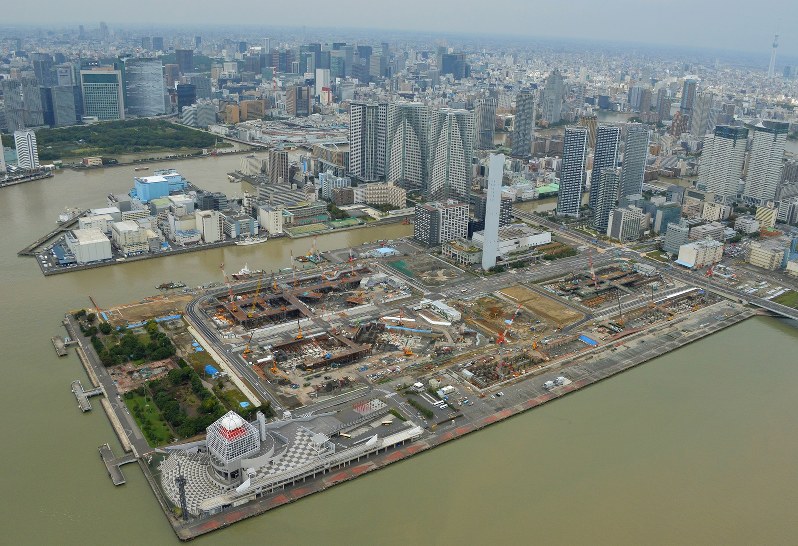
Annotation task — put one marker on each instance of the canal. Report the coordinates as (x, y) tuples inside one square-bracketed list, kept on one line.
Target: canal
[(696, 446)]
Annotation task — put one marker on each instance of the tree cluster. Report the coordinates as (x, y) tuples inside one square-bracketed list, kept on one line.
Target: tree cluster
[(131, 347), (117, 137)]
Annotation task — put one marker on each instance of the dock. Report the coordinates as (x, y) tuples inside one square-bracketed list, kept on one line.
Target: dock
[(60, 346), (30, 250), (83, 395), (113, 463)]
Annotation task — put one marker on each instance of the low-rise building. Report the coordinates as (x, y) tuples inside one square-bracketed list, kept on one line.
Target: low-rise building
[(239, 225), (515, 238), (746, 224), (792, 268), (129, 237), (462, 251), (700, 253), (385, 194), (343, 196), (676, 236), (96, 221), (766, 216), (88, 245), (271, 219), (714, 212), (712, 230), (766, 257)]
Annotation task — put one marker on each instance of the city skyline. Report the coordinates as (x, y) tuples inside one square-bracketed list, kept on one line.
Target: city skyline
[(581, 21)]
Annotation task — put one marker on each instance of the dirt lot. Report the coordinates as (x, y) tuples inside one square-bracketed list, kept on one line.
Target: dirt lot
[(156, 306), (551, 310)]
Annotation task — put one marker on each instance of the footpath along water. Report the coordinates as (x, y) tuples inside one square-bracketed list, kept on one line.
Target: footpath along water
[(693, 447)]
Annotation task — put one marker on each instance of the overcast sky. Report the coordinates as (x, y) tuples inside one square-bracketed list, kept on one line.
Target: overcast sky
[(744, 25)]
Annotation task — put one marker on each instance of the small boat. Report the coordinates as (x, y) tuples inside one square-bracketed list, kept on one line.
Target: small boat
[(251, 241), (141, 169), (246, 273), (68, 215)]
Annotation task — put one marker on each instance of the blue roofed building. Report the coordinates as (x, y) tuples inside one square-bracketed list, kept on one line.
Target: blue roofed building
[(160, 184)]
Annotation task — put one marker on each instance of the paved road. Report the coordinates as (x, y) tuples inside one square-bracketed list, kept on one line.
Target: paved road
[(138, 441)]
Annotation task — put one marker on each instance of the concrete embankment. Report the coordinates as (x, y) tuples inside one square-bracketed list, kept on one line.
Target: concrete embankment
[(117, 426), (87, 366)]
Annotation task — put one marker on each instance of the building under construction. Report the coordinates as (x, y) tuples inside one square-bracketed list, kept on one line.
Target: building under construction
[(326, 349), (279, 303)]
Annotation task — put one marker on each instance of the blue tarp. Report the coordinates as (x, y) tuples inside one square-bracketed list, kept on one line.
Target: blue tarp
[(244, 404), (591, 342), (159, 319), (210, 370), (406, 329), (104, 316)]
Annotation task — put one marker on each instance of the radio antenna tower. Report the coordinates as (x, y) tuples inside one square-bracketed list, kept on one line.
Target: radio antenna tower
[(180, 481), (772, 66)]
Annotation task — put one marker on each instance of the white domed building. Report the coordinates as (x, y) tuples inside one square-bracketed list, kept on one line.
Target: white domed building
[(230, 439)]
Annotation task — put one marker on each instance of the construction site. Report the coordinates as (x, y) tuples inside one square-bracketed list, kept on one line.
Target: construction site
[(597, 288), (270, 303)]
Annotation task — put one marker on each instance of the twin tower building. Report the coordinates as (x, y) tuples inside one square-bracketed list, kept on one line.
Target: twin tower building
[(424, 148)]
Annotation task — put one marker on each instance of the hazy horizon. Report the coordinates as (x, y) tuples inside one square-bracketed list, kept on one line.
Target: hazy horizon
[(702, 25)]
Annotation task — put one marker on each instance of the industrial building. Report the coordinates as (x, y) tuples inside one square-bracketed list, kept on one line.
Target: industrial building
[(88, 245), (160, 184)]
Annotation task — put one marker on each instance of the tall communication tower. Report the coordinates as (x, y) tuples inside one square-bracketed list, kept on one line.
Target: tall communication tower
[(180, 481), (772, 66)]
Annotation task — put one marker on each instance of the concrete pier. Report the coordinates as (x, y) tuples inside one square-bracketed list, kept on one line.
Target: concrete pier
[(60, 347), (113, 463), (83, 396)]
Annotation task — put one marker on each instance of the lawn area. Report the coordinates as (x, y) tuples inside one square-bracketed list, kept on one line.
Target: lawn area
[(149, 419), (199, 360), (658, 255), (789, 298)]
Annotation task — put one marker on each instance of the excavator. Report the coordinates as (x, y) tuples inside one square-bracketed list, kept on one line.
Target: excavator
[(406, 349), (299, 334), (247, 349)]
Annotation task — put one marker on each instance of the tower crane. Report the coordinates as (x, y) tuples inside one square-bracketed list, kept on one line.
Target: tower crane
[(503, 335), (255, 298), (592, 270), (293, 271), (229, 288), (274, 283)]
